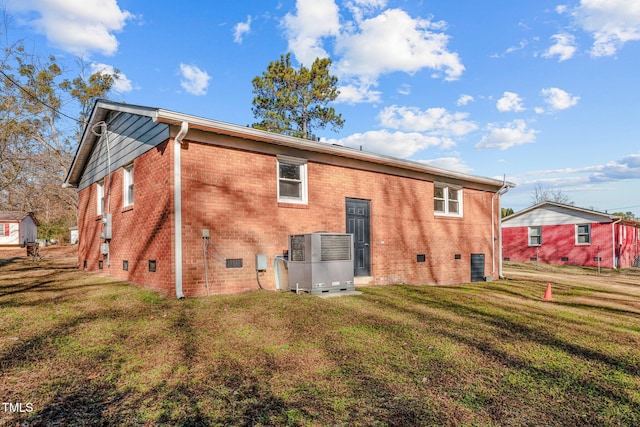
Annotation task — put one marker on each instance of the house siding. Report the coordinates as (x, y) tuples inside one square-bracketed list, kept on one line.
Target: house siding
[(12, 238), (628, 245), (614, 240), (20, 231), (229, 187), (558, 242), (232, 193), (141, 232), (129, 136)]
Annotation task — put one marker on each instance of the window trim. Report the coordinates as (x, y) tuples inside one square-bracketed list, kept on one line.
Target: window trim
[(446, 188), (296, 161), (100, 197), (579, 234), (539, 235), (128, 185)]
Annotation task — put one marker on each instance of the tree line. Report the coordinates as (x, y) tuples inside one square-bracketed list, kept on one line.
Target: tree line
[(37, 137)]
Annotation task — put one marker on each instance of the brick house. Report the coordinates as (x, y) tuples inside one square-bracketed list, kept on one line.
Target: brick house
[(249, 190), (17, 228), (555, 233)]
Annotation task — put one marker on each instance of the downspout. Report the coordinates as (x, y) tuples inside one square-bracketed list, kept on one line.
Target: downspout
[(177, 206), (613, 240), (498, 193)]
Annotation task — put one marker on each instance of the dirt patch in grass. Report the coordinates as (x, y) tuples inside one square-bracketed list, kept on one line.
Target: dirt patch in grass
[(88, 350)]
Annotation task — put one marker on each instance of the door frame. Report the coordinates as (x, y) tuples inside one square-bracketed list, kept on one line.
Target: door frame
[(362, 246)]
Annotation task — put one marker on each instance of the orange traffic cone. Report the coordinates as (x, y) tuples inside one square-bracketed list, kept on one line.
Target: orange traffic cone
[(547, 293)]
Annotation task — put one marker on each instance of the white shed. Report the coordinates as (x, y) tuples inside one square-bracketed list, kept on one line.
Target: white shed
[(17, 228)]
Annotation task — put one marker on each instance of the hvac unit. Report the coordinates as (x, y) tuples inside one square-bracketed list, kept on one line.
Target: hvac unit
[(321, 262)]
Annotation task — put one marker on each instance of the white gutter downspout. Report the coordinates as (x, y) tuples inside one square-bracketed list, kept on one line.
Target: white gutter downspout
[(500, 192), (613, 240), (177, 206)]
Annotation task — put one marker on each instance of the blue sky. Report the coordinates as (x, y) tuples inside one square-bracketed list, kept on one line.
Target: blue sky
[(544, 92)]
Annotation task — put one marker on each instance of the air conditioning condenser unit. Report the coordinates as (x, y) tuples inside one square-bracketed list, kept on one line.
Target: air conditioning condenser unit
[(321, 262)]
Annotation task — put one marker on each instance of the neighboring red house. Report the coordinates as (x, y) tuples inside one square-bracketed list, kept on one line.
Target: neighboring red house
[(248, 190), (17, 228), (554, 233)]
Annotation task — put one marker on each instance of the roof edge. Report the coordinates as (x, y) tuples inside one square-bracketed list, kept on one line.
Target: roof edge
[(158, 115)]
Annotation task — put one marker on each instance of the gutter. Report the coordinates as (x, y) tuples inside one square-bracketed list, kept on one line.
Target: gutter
[(503, 190), (613, 241), (170, 117), (177, 207)]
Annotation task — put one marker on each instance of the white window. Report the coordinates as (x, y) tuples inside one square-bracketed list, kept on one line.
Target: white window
[(583, 234), (100, 197), (535, 236), (128, 185), (447, 200), (292, 180)]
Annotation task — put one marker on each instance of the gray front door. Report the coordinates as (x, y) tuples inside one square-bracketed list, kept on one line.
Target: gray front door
[(477, 267), (358, 224)]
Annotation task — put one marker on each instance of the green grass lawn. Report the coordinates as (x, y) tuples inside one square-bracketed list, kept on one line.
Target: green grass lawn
[(88, 350)]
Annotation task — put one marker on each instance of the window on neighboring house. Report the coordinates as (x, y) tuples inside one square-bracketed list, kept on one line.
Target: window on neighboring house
[(535, 236), (100, 197), (292, 180), (583, 234), (128, 185), (447, 200), (4, 230)]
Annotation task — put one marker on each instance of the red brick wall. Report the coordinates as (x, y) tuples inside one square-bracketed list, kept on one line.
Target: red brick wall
[(232, 193), (141, 232), (559, 241)]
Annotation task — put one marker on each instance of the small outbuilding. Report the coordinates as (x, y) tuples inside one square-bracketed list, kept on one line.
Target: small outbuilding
[(17, 228), (555, 233), (194, 206)]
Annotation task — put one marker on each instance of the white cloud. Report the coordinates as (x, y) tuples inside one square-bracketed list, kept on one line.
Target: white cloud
[(120, 85), (628, 167), (612, 23), (240, 29), (411, 130), (404, 89), (360, 8), (564, 47), (510, 101), (194, 80), (558, 99), (435, 121), (464, 99), (396, 144), (359, 92), (313, 21), (369, 45), (511, 135), (394, 41), (449, 163), (76, 26)]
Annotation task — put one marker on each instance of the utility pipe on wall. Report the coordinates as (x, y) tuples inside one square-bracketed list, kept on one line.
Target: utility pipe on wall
[(177, 207), (498, 193), (613, 241)]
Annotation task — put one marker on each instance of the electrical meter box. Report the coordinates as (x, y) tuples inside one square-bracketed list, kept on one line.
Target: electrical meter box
[(106, 227)]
